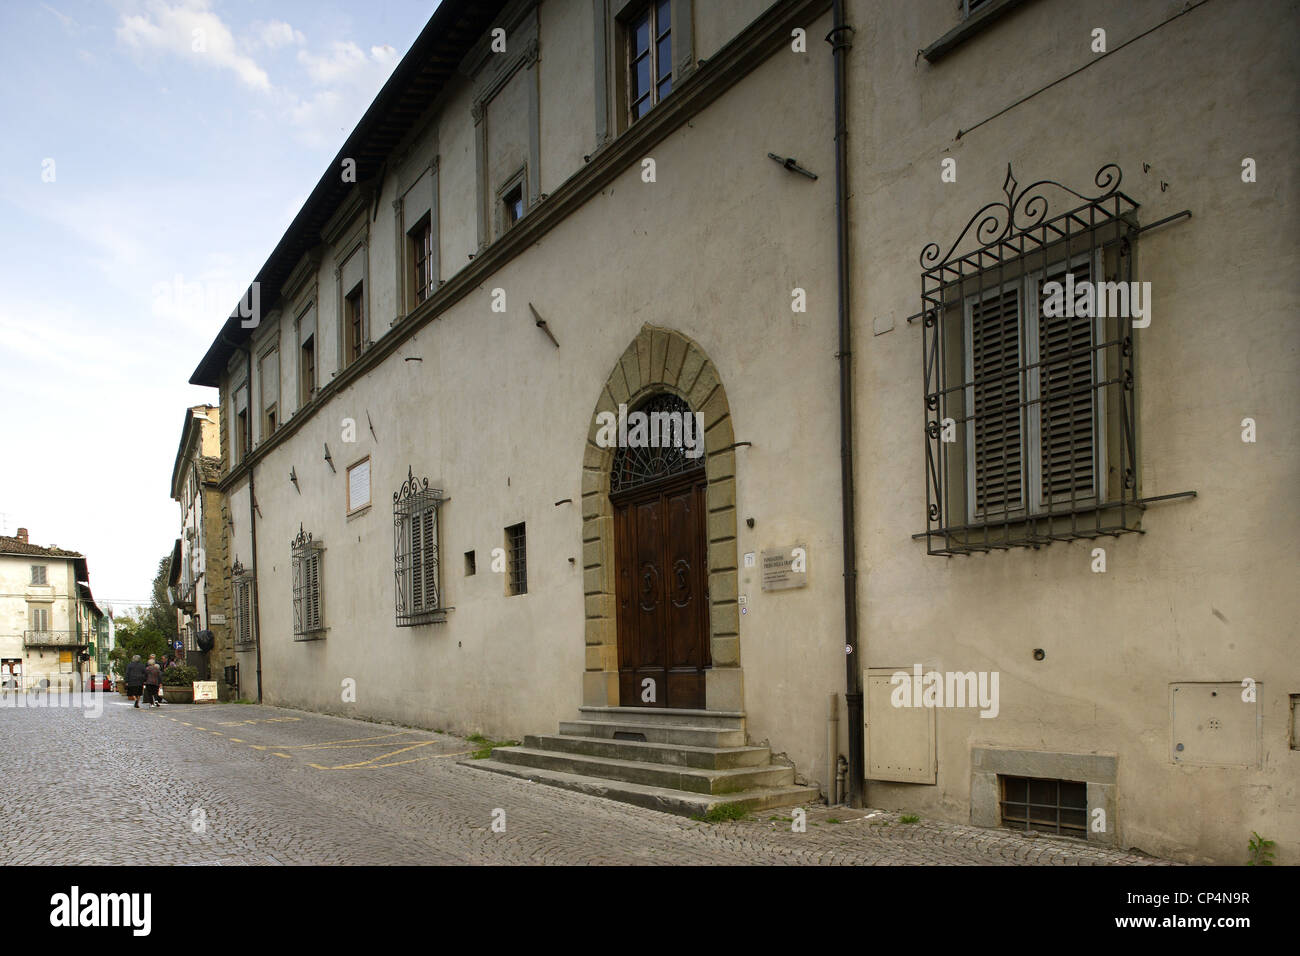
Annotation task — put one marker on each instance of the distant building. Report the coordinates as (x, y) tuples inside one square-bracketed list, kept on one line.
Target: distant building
[(198, 563), (49, 620)]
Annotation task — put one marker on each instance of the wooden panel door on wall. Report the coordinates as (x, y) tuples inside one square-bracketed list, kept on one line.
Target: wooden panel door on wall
[(662, 596)]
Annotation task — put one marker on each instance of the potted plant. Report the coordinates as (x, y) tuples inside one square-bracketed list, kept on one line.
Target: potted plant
[(178, 684)]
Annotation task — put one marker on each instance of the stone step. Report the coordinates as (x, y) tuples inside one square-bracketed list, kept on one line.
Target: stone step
[(722, 719), (709, 758), (693, 780), (655, 798), (690, 736)]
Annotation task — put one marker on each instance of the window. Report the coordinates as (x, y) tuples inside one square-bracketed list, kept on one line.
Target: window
[(514, 204), (307, 370), (972, 6), (269, 369), (40, 619), (1030, 374), (1045, 806), (354, 318), (306, 557), (415, 552), (420, 244), (648, 42), (243, 605), (516, 560), (471, 565), (38, 574), (359, 486), (241, 435)]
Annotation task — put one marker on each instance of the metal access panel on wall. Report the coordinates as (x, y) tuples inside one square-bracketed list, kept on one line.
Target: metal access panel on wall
[(1215, 724), (900, 741)]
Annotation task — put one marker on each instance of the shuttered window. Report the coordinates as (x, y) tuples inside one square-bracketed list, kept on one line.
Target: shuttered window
[(243, 600), (416, 564), (308, 616), (1032, 393)]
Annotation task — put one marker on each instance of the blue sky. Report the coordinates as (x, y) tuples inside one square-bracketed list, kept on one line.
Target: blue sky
[(174, 172)]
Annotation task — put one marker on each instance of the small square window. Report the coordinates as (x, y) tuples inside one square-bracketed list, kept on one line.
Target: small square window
[(470, 564), (359, 486), (38, 574), (516, 560)]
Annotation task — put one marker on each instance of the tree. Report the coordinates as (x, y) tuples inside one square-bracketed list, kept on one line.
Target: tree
[(161, 615), (135, 635)]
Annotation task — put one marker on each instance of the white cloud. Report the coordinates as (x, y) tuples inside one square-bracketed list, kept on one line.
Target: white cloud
[(189, 29), (349, 78), (274, 35)]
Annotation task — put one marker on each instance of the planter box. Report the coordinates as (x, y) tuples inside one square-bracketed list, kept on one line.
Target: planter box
[(179, 694)]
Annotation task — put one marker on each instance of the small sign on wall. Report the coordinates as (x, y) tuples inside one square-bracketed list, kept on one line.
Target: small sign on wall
[(217, 619), (205, 690), (785, 568)]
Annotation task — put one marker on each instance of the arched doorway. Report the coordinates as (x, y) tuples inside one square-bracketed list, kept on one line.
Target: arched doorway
[(657, 492), (663, 362)]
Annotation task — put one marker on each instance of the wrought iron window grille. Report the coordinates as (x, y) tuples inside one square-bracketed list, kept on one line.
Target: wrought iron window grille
[(1030, 413), (517, 559), (642, 464), (308, 623), (416, 565), (242, 600)]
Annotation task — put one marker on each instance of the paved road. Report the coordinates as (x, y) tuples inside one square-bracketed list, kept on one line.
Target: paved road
[(243, 784)]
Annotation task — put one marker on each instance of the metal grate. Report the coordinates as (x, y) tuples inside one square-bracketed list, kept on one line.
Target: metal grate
[(1030, 414), (642, 464), (516, 559), (415, 552), (307, 613), (1045, 806)]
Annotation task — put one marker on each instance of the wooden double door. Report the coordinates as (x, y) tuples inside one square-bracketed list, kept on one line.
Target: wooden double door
[(662, 577)]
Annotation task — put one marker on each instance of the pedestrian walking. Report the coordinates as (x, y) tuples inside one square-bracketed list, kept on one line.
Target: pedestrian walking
[(152, 682), (135, 679)]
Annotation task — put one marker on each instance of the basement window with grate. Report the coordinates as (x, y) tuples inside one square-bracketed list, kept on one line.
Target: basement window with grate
[(307, 611), (1029, 373), (415, 552)]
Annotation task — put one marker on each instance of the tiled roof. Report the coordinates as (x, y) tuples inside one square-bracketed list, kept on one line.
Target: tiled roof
[(18, 546)]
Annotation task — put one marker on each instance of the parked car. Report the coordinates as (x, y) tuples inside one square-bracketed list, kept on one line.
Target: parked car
[(100, 682)]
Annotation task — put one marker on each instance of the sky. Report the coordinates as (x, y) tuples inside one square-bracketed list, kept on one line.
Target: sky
[(153, 153)]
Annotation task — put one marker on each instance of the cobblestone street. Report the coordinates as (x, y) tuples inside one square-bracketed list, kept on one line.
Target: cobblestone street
[(244, 784)]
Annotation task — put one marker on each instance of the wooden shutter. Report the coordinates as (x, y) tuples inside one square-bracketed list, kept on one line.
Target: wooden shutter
[(996, 461), (416, 579), (313, 589), (1067, 422), (299, 595), (430, 560)]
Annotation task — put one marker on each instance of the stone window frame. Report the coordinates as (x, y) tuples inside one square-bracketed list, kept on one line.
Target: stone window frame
[(521, 25), (404, 267), (610, 63), (1099, 771), (663, 360)]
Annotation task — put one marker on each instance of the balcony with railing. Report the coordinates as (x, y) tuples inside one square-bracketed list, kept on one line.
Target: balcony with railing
[(54, 639)]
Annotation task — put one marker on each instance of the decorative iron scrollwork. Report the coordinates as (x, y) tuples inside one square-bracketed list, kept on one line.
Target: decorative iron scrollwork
[(641, 465), (1023, 209), (411, 487), (302, 540)]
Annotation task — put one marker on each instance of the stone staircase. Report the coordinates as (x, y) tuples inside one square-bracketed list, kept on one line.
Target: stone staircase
[(679, 761)]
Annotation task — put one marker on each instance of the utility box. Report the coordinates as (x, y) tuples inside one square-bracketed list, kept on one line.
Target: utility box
[(1215, 724), (900, 741)]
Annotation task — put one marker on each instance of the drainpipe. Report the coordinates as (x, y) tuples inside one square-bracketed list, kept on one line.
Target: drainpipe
[(832, 745), (841, 40)]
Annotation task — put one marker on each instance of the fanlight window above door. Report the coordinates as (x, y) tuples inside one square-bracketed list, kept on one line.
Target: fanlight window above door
[(641, 463)]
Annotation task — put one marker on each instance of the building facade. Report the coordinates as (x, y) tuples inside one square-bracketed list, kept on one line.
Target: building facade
[(198, 575), (50, 625), (1053, 562)]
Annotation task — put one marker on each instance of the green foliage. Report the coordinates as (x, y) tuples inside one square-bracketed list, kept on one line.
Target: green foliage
[(909, 818), (485, 745), (724, 811), (135, 636), (160, 616), (1261, 850), (181, 676)]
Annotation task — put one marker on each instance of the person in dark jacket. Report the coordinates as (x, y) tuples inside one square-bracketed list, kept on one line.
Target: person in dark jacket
[(152, 682), (135, 679)]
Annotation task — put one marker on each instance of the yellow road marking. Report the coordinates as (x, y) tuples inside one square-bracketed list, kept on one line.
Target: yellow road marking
[(370, 765), (217, 732), (187, 723), (236, 740), (285, 756)]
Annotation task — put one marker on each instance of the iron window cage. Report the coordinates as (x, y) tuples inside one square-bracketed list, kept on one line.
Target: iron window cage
[(242, 594), (1044, 806), (1030, 413), (308, 624), (416, 566), (516, 559)]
